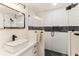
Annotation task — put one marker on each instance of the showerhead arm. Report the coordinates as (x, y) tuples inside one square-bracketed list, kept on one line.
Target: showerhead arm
[(71, 6)]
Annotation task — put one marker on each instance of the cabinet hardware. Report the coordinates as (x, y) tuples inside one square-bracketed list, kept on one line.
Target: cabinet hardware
[(76, 33), (35, 52), (76, 54)]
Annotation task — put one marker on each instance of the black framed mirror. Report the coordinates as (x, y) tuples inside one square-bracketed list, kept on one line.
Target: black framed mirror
[(12, 19)]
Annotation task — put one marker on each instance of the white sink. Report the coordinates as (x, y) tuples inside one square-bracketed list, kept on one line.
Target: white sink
[(15, 46)]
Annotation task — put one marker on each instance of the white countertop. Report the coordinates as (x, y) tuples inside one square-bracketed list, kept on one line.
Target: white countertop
[(5, 53)]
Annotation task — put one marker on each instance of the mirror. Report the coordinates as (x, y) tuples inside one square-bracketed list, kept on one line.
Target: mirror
[(11, 18)]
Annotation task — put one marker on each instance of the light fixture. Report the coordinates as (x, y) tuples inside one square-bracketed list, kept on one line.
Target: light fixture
[(54, 4)]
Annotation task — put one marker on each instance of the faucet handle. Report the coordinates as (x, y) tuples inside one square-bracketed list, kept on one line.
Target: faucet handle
[(15, 36)]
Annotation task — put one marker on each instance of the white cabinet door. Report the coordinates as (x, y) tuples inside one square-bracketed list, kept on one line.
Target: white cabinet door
[(74, 44), (28, 52), (32, 51)]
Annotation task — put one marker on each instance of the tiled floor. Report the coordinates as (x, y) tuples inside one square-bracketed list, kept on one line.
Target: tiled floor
[(53, 53)]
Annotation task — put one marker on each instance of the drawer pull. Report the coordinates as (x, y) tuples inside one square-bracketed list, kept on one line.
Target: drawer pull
[(35, 52), (35, 46), (76, 33), (76, 54)]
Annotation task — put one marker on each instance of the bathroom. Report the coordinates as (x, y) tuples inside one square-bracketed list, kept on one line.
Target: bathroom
[(39, 29)]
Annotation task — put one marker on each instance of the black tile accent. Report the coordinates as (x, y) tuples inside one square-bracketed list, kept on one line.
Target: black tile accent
[(60, 28), (73, 28), (48, 28), (56, 28)]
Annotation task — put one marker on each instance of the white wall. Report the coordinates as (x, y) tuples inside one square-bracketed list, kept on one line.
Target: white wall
[(1, 21), (33, 21), (56, 17), (59, 42), (74, 16)]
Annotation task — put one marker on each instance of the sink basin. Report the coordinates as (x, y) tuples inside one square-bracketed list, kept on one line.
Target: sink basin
[(15, 46)]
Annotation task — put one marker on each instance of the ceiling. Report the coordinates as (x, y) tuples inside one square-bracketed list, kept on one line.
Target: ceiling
[(41, 7), (38, 8)]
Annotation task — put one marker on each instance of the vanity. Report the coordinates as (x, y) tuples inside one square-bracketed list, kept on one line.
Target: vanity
[(23, 47), (29, 50)]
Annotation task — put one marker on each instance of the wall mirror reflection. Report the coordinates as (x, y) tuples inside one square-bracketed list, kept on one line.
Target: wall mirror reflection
[(11, 18)]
